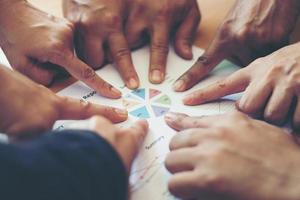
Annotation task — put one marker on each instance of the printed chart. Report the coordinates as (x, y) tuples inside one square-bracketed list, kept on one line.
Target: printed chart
[(147, 103)]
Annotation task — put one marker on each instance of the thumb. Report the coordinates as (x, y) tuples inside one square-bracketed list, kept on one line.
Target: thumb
[(133, 138), (78, 109), (213, 55)]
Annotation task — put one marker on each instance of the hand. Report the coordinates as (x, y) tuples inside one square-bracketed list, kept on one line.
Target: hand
[(272, 85), (38, 44), (252, 29), (125, 141), (28, 108), (158, 19), (99, 29), (232, 157)]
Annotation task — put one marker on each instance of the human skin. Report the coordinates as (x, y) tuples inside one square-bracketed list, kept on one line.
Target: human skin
[(110, 28), (252, 29), (29, 109), (271, 87), (126, 141), (40, 45), (236, 158)]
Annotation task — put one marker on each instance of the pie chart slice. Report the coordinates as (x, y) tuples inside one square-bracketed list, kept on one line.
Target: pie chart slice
[(159, 110), (140, 93), (147, 103), (165, 100), (141, 113), (153, 93)]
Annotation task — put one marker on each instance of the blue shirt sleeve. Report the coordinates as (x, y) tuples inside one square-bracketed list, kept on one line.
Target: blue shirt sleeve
[(75, 165)]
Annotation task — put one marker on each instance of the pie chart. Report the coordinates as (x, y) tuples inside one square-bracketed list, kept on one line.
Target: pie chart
[(147, 103)]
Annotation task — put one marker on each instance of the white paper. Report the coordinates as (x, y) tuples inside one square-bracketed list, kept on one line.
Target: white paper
[(149, 177)]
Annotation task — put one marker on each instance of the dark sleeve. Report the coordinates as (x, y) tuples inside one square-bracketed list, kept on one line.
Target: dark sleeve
[(75, 165)]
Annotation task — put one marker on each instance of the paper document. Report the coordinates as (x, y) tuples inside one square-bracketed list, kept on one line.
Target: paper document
[(148, 178)]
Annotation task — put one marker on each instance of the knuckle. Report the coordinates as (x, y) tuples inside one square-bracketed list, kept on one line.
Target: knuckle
[(109, 111), (280, 33), (164, 11), (85, 105), (272, 116), (160, 47), (57, 51), (261, 35), (294, 78), (225, 31), (86, 24), (121, 53), (57, 45), (111, 19), (276, 70), (214, 181), (88, 73), (247, 107), (242, 34), (223, 132), (67, 27)]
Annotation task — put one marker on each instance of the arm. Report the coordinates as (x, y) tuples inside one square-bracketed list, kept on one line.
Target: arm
[(43, 107), (67, 165), (40, 46)]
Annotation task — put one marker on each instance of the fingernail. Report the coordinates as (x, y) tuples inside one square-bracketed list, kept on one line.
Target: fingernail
[(189, 53), (156, 76), (188, 100), (121, 112), (170, 117), (116, 92), (133, 83), (179, 86)]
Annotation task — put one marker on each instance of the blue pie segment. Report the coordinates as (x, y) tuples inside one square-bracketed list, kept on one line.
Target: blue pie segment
[(140, 93), (159, 111), (141, 113)]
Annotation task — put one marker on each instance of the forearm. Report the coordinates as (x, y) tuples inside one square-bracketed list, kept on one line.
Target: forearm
[(62, 166)]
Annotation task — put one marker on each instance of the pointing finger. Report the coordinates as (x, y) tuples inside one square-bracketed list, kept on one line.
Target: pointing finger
[(233, 84)]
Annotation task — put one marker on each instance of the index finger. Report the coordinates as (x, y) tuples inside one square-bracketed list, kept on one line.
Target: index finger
[(122, 56), (78, 109), (86, 74), (209, 60), (159, 52), (233, 84), (181, 122)]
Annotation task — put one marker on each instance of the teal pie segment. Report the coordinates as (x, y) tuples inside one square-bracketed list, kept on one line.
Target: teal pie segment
[(140, 93), (141, 113)]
